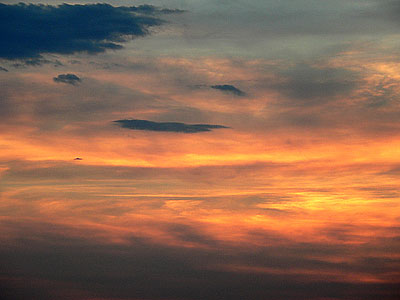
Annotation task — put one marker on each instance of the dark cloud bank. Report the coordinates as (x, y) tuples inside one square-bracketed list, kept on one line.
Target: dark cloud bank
[(227, 88), (166, 126), (67, 78), (28, 30), (45, 264)]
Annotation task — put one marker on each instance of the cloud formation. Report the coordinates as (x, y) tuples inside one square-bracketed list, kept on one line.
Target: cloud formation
[(67, 78), (36, 62), (130, 269), (28, 30), (309, 85), (152, 10), (3, 69), (227, 88), (167, 126)]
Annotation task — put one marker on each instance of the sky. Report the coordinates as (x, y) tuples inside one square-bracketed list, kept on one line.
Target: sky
[(200, 150)]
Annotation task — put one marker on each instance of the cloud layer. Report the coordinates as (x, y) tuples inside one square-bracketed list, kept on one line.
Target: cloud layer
[(299, 200), (27, 31)]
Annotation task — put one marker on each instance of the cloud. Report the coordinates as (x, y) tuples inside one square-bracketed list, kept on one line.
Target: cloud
[(309, 85), (35, 62), (57, 257), (151, 10), (52, 106), (67, 78), (167, 126), (3, 69), (27, 31), (227, 88)]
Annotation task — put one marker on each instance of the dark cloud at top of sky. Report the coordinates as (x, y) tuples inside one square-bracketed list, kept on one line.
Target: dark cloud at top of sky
[(227, 88), (167, 126), (27, 31), (67, 78), (308, 85), (3, 69)]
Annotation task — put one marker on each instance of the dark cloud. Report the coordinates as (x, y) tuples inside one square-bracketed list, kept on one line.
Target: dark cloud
[(35, 62), (190, 234), (28, 30), (67, 78), (50, 259), (308, 85), (167, 126), (151, 10), (227, 88), (3, 69)]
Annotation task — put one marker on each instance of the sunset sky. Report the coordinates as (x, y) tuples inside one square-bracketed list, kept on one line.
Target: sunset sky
[(200, 150)]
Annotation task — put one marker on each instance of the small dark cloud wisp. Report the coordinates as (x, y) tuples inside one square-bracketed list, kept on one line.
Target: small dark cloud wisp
[(227, 88), (152, 10), (166, 126), (67, 78), (29, 30), (3, 69)]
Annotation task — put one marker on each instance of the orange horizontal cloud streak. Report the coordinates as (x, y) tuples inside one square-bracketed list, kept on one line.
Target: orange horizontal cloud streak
[(326, 194)]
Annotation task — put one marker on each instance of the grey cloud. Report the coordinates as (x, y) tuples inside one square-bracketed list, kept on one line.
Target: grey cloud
[(227, 88), (166, 126), (35, 62), (53, 106), (3, 69), (308, 85), (189, 234), (278, 28), (71, 79), (151, 10)]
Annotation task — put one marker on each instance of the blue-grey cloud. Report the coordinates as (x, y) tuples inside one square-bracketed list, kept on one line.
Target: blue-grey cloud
[(152, 10), (227, 88), (67, 78), (27, 31), (37, 61), (167, 126)]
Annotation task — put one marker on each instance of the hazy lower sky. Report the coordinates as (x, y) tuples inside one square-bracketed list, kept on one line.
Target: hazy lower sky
[(200, 150)]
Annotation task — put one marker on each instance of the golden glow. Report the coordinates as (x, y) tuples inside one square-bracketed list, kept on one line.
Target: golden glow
[(261, 183)]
